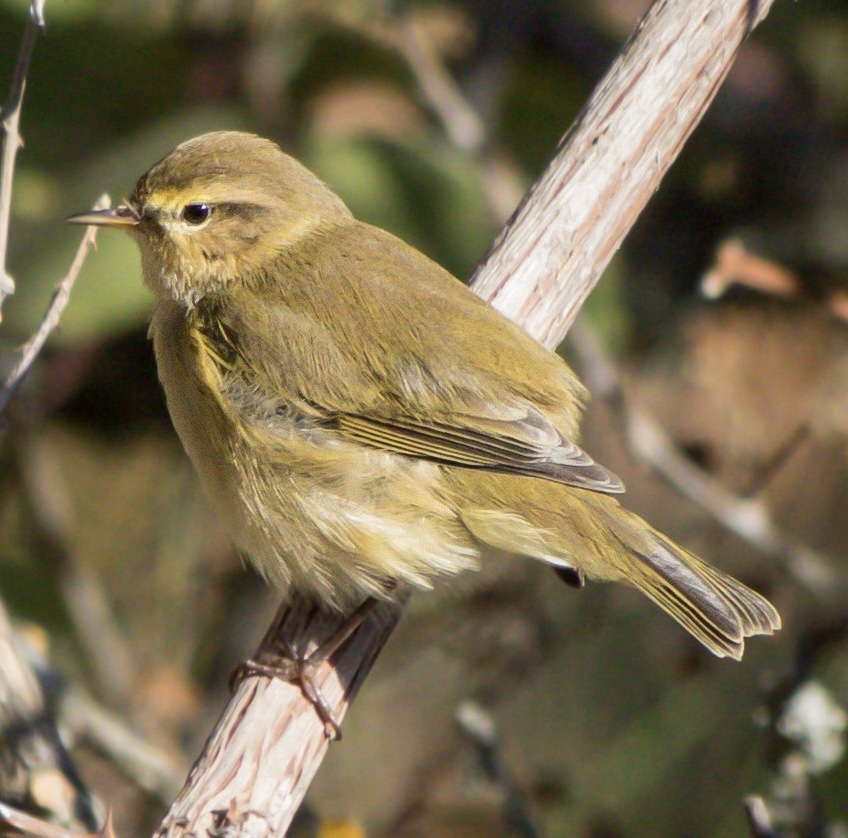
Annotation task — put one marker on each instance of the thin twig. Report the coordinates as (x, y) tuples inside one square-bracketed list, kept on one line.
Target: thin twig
[(404, 34), (28, 826), (54, 312), (10, 118), (759, 818), (149, 766), (463, 126), (39, 770)]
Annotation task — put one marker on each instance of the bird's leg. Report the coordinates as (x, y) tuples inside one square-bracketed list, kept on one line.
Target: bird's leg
[(290, 665)]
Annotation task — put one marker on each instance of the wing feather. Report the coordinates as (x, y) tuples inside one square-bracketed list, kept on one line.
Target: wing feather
[(398, 372), (456, 444)]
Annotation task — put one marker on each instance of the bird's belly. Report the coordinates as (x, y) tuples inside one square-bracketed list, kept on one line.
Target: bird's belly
[(330, 518), (340, 522)]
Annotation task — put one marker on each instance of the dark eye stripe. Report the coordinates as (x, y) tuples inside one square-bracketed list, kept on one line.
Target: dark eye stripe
[(244, 211)]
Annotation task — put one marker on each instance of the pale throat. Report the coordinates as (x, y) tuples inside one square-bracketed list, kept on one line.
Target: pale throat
[(183, 278)]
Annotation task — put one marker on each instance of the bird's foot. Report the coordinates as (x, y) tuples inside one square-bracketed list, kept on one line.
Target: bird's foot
[(289, 665), (294, 669)]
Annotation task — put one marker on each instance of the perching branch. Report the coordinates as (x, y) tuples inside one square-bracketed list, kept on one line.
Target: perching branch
[(611, 162), (541, 269)]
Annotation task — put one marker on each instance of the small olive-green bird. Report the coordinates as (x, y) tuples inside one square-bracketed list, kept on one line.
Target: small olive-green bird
[(359, 418)]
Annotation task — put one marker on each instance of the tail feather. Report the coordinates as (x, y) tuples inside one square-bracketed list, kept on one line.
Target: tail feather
[(588, 535), (715, 608)]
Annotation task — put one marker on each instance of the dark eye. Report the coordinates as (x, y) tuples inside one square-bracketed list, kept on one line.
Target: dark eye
[(196, 213)]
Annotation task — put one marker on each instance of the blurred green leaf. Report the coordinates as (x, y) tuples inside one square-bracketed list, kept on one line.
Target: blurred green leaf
[(427, 195)]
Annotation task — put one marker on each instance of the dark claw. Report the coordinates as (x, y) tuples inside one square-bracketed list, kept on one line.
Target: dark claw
[(295, 668), (292, 670)]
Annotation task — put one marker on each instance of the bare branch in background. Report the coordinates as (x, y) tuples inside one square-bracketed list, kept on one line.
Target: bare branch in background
[(152, 768), (10, 118), (461, 123), (35, 768), (28, 826), (478, 726), (747, 517), (464, 127), (759, 819), (54, 312), (541, 269), (51, 506), (736, 265)]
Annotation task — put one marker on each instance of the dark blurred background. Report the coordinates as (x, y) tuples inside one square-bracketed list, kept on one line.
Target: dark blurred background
[(609, 720)]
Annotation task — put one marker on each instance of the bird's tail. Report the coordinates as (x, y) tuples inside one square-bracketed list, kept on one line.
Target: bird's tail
[(588, 535), (715, 608)]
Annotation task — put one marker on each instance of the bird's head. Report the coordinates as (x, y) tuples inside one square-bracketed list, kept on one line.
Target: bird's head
[(216, 210)]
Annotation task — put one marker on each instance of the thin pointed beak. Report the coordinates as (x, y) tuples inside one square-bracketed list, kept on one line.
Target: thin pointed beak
[(120, 216)]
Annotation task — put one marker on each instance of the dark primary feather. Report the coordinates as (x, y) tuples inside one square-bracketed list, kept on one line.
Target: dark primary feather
[(462, 445), (716, 608)]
